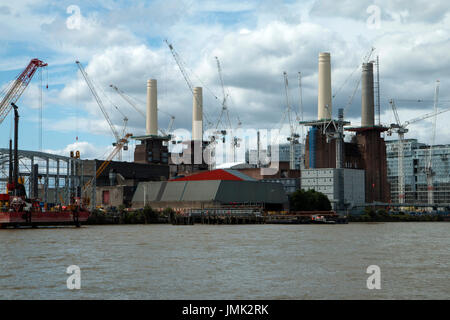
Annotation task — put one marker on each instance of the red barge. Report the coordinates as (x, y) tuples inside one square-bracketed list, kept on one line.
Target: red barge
[(34, 216)]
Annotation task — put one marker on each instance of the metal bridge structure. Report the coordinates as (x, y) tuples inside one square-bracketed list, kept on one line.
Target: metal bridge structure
[(49, 177)]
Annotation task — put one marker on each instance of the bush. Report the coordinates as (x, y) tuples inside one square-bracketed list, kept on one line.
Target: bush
[(148, 215), (310, 200), (370, 212), (97, 217)]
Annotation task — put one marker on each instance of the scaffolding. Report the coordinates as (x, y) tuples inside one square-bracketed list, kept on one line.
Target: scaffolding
[(49, 177)]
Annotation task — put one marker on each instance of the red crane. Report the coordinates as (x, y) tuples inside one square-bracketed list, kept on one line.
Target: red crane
[(18, 86)]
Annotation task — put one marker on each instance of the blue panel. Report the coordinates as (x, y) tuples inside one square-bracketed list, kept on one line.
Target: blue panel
[(312, 147)]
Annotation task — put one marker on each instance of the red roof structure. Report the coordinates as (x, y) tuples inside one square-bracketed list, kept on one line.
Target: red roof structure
[(218, 174)]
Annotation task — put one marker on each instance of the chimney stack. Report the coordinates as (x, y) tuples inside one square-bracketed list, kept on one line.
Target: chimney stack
[(324, 95), (197, 115), (367, 96), (151, 125)]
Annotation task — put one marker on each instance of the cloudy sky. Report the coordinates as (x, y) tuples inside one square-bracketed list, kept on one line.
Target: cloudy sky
[(122, 43)]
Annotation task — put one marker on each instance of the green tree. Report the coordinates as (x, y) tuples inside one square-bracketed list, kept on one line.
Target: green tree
[(149, 215), (370, 212), (310, 200)]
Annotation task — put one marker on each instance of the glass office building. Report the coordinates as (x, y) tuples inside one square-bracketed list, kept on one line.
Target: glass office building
[(415, 159)]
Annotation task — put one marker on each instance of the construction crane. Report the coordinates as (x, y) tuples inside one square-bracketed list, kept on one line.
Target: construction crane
[(130, 101), (182, 68), (235, 141), (13, 92), (364, 59), (293, 137), (401, 130), (429, 166), (300, 118), (102, 108), (118, 146)]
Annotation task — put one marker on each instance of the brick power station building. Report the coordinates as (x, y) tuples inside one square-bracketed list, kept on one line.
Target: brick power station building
[(325, 148)]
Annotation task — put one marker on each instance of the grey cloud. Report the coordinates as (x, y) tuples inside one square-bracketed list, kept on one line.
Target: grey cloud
[(5, 10), (405, 11)]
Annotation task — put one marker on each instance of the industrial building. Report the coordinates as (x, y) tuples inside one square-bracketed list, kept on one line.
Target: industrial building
[(212, 189), (415, 158), (341, 186), (289, 179), (115, 186), (325, 146), (49, 177)]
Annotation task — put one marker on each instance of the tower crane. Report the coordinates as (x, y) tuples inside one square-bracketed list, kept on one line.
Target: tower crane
[(235, 140), (293, 137), (429, 166), (18, 86), (182, 68), (130, 101), (102, 108), (302, 154), (401, 129)]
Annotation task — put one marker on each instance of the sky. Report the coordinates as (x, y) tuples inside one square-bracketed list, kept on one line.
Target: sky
[(122, 43)]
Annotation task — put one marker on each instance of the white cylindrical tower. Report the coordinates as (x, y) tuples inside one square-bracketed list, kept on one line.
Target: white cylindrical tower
[(151, 124), (197, 115), (367, 96), (324, 106)]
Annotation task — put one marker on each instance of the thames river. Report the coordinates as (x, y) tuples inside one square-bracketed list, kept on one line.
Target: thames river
[(228, 261)]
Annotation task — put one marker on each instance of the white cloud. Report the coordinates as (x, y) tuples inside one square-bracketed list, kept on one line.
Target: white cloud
[(124, 47), (87, 150)]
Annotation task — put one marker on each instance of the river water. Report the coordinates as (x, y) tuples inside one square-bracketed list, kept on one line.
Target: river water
[(228, 261)]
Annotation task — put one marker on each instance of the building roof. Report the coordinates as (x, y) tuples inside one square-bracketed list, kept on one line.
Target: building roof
[(218, 174), (209, 191)]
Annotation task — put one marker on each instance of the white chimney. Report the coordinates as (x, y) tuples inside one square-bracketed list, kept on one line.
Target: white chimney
[(324, 106), (151, 125), (197, 115), (367, 96)]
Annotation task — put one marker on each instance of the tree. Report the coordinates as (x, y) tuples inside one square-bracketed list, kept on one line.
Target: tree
[(149, 214), (310, 200)]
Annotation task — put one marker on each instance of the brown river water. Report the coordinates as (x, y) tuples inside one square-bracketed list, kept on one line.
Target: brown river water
[(228, 261)]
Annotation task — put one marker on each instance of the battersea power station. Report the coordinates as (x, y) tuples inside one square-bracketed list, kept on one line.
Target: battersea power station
[(363, 158)]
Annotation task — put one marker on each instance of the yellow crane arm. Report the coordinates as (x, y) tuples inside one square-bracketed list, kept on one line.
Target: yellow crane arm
[(108, 160)]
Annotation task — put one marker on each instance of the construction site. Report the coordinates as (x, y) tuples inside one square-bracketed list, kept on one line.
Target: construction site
[(365, 170)]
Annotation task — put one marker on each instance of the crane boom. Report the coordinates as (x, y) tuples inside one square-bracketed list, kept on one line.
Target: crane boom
[(182, 68), (18, 86), (426, 116), (120, 144), (127, 99), (429, 165), (99, 100), (219, 68)]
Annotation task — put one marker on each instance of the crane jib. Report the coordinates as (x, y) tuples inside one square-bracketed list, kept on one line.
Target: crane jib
[(18, 87)]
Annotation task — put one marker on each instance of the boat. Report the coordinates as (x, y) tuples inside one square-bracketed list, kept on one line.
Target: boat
[(17, 210), (21, 212), (321, 219)]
